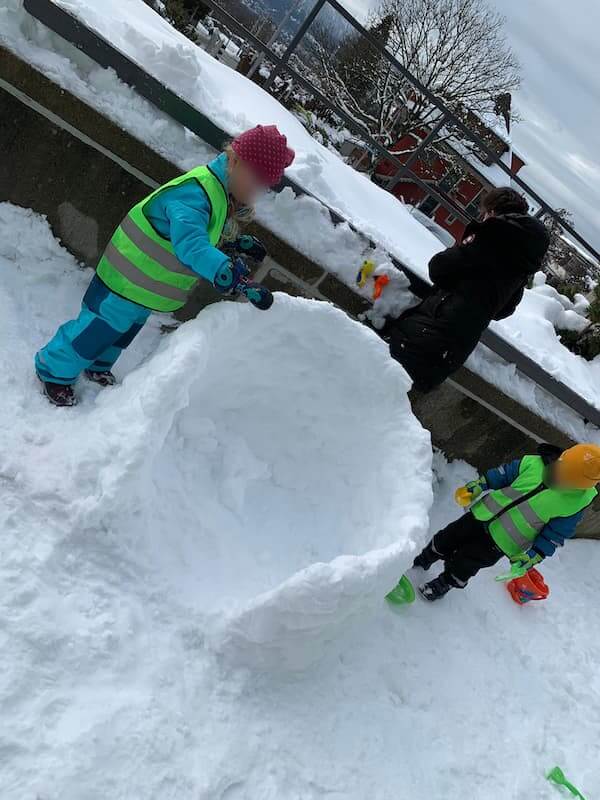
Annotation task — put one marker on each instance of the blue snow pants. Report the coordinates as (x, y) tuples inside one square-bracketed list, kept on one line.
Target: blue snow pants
[(106, 325)]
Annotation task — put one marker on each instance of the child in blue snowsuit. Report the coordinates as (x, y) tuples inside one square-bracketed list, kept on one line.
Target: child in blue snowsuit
[(156, 256)]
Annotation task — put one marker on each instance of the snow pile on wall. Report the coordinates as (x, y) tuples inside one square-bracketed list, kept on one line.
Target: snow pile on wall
[(534, 330), (544, 306)]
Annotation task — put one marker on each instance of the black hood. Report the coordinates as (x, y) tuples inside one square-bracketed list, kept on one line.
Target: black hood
[(520, 239), (549, 452)]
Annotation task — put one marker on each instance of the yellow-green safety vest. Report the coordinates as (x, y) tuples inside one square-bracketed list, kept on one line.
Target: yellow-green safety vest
[(515, 515), (141, 265)]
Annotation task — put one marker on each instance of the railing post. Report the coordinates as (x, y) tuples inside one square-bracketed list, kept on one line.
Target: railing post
[(296, 39)]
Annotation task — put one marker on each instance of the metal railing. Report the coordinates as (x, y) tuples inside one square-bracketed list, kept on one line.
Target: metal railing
[(447, 116), (104, 53)]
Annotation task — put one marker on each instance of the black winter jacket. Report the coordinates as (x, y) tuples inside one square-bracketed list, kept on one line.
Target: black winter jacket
[(473, 283)]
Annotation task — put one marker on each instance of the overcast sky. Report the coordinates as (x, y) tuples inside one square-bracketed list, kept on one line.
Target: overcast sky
[(557, 42)]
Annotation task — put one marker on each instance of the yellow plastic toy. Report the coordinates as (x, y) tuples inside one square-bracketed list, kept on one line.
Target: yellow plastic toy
[(463, 497), (365, 272)]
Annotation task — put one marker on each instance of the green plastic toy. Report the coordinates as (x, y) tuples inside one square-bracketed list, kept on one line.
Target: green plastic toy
[(403, 594), (557, 776), (516, 571)]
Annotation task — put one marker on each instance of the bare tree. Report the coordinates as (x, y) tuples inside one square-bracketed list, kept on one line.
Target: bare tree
[(559, 251), (456, 48)]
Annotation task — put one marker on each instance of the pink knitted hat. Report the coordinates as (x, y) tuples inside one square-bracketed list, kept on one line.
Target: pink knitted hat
[(265, 150)]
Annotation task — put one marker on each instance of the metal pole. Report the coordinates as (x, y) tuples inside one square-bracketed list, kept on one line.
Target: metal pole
[(299, 35), (261, 56)]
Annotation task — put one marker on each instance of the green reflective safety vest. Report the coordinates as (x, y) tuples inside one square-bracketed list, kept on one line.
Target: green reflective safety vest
[(141, 266), (515, 515)]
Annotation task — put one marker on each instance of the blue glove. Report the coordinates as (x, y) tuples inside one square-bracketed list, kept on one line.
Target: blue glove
[(229, 276), (258, 295), (247, 246), (232, 279)]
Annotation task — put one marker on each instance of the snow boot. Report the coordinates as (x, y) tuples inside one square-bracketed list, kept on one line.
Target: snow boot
[(102, 378), (59, 394), (427, 557), (435, 589)]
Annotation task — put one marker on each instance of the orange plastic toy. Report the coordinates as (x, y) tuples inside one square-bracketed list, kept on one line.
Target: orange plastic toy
[(380, 283), (531, 586)]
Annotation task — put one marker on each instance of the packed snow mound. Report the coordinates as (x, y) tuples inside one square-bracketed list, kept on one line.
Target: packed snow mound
[(255, 464), (263, 468)]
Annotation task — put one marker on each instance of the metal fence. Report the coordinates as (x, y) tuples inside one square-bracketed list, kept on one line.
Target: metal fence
[(446, 116), (104, 53)]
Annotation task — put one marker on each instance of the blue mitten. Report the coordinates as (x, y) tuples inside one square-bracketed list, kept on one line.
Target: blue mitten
[(247, 246), (230, 275), (232, 279), (258, 295)]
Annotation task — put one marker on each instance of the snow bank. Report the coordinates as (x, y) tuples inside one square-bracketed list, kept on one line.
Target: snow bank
[(167, 534), (71, 69)]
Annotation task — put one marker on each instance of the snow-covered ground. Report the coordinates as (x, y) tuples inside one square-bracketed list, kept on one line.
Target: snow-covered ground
[(192, 567)]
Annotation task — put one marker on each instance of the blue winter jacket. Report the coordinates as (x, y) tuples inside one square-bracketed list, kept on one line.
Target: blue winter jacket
[(553, 535), (181, 214)]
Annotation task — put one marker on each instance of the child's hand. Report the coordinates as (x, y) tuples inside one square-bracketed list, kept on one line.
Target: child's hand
[(465, 495), (233, 279), (247, 246), (258, 295), (230, 275), (527, 560), (251, 247)]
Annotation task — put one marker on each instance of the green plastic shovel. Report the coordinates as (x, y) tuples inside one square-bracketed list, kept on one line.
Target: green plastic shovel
[(403, 594), (557, 776)]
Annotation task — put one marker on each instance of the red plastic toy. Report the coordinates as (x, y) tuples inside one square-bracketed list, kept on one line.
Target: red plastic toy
[(530, 587)]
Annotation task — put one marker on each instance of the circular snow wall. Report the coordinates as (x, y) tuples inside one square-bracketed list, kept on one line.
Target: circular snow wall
[(282, 480)]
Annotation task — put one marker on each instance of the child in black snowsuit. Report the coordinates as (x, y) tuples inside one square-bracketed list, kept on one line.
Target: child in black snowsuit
[(475, 282), (523, 510)]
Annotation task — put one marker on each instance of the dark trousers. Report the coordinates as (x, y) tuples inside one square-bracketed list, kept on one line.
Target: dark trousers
[(465, 547)]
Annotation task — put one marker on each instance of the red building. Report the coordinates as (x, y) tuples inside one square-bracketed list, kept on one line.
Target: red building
[(461, 178)]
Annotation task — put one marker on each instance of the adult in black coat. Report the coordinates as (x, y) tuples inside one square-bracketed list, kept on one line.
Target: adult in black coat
[(475, 282)]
